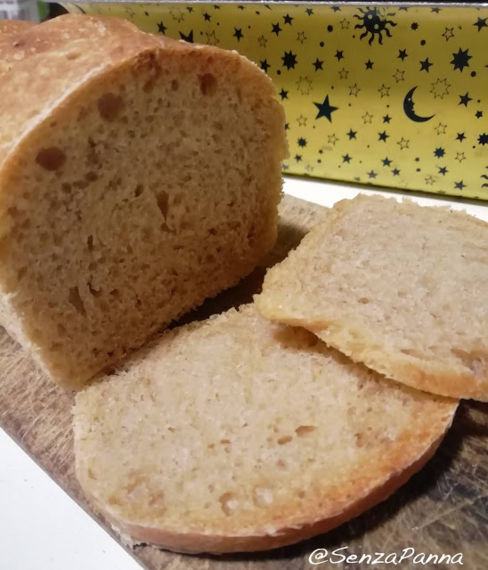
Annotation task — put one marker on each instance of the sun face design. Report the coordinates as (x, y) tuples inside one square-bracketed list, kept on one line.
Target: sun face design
[(374, 22)]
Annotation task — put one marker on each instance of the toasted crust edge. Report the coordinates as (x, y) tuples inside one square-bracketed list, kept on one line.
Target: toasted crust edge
[(195, 543), (418, 374)]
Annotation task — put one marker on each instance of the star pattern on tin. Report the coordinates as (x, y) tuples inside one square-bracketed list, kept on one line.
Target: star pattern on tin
[(325, 109), (464, 99), (275, 29), (304, 85), (402, 54), (440, 88), (403, 143), (367, 118), (481, 23), (289, 60), (460, 60), (399, 75), (425, 65), (448, 33), (440, 129), (211, 38), (354, 90), (238, 34), (333, 139), (177, 14), (318, 64)]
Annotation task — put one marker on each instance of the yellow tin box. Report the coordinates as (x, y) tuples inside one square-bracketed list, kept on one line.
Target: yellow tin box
[(383, 94)]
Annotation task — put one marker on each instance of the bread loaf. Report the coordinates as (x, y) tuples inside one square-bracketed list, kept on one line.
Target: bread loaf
[(238, 434), (138, 176), (396, 286), (10, 27)]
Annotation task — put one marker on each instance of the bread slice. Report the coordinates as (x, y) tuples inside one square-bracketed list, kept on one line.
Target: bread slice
[(239, 434), (396, 286), (139, 175)]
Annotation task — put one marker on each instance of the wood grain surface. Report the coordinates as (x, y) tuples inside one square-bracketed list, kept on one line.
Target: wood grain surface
[(442, 509)]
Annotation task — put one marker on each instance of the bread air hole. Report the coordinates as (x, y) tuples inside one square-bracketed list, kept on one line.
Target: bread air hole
[(162, 200), (139, 190), (304, 430), (21, 272), (110, 106), (284, 439), (75, 299), (411, 352), (228, 503), (208, 84), (93, 291), (51, 158)]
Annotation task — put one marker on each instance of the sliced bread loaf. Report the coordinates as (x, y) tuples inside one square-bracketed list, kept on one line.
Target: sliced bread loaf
[(396, 286), (8, 27), (239, 434), (138, 176)]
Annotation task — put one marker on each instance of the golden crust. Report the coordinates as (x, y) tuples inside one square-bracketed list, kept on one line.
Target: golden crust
[(42, 65), (194, 543), (9, 27)]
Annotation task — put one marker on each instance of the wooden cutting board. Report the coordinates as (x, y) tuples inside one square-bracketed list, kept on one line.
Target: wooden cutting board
[(443, 509)]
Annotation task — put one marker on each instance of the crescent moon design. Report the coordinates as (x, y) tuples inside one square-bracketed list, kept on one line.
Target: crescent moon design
[(408, 107)]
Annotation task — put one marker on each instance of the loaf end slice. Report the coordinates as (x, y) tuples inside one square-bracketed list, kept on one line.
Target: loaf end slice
[(138, 176), (396, 286), (238, 434)]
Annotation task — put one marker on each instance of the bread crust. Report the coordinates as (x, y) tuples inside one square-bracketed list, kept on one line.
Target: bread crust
[(39, 62), (9, 27), (428, 377), (196, 543)]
